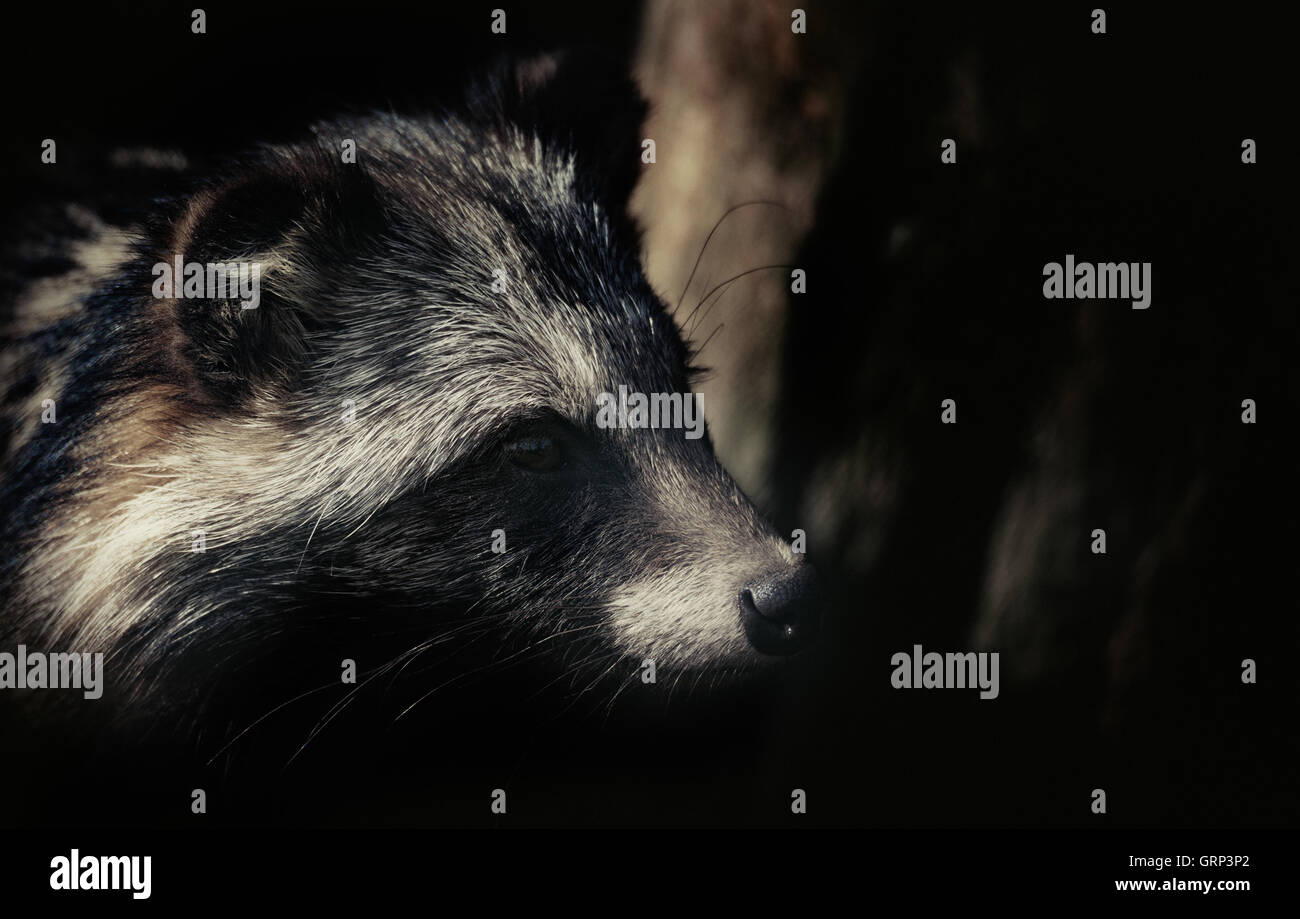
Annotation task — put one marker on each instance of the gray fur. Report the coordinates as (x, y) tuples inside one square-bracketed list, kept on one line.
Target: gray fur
[(376, 292)]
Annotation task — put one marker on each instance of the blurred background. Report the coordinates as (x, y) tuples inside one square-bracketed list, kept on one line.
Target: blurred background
[(924, 282)]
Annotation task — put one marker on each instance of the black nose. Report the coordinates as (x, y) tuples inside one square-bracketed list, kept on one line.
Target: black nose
[(780, 612)]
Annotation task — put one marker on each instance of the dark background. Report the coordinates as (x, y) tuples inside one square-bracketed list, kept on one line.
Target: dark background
[(1116, 147)]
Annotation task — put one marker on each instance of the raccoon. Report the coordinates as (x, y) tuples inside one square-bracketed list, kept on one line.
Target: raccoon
[(397, 447)]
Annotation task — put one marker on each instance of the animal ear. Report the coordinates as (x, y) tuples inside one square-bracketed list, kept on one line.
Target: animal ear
[(284, 228), (587, 101)]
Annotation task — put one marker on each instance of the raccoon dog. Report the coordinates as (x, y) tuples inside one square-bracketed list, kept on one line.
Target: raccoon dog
[(395, 446)]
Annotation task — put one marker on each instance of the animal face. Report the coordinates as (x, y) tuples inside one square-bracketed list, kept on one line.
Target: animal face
[(406, 425)]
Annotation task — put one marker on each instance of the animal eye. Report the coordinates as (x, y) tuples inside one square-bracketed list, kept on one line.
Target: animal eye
[(536, 453)]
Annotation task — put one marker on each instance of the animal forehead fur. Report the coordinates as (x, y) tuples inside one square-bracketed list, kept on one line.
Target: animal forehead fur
[(416, 339), (464, 208)]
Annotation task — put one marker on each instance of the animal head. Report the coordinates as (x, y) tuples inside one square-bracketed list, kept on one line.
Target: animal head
[(408, 422)]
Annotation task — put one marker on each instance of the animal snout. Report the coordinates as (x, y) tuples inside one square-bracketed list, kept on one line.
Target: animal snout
[(780, 612)]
